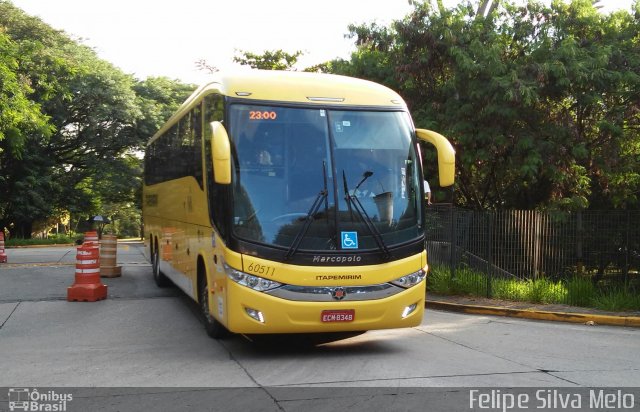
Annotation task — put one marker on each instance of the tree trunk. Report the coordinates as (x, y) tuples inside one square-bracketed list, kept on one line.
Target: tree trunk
[(23, 230)]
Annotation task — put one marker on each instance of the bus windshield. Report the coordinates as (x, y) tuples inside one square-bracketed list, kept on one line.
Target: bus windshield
[(335, 179)]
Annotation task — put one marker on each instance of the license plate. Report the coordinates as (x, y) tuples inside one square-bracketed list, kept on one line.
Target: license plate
[(347, 315)]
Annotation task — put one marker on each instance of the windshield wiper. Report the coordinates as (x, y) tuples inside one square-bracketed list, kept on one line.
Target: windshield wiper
[(353, 203), (322, 196), (346, 194)]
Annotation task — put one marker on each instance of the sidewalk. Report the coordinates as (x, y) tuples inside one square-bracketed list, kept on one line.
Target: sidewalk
[(552, 312)]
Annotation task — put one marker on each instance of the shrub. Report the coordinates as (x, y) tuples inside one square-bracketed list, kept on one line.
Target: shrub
[(576, 291), (51, 240), (580, 291), (617, 300)]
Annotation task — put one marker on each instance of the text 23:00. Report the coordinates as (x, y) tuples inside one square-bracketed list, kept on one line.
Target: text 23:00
[(266, 115)]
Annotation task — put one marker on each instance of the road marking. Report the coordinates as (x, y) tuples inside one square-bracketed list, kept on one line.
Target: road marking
[(35, 264)]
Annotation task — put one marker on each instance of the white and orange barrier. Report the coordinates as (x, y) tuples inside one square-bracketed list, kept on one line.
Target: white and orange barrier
[(108, 257), (87, 286)]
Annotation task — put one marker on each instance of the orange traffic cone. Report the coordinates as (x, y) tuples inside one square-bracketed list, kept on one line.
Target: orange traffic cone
[(3, 256), (87, 286)]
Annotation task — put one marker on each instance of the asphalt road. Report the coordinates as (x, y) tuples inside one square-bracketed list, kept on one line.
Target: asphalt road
[(144, 347)]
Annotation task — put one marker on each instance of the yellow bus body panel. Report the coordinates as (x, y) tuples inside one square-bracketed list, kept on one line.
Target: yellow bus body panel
[(309, 88)]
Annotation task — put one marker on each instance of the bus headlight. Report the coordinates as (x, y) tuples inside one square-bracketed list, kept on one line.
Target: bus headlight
[(411, 279), (253, 282)]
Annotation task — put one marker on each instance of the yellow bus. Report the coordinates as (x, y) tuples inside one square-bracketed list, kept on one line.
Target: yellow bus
[(287, 202)]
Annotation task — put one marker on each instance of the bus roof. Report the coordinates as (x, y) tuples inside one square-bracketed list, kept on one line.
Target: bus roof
[(303, 87), (293, 87)]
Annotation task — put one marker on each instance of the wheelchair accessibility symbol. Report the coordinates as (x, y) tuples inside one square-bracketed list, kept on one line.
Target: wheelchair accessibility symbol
[(349, 240)]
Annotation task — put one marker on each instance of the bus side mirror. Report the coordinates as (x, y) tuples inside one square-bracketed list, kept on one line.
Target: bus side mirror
[(446, 155), (221, 153)]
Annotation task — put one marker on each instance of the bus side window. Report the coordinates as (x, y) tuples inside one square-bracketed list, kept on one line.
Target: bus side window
[(184, 147), (168, 167), (196, 158), (213, 109)]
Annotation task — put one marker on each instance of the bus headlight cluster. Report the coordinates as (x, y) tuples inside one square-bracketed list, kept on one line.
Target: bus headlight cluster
[(411, 279), (253, 282)]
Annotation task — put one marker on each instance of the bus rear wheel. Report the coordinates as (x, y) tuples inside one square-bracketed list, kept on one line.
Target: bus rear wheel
[(214, 328), (160, 279)]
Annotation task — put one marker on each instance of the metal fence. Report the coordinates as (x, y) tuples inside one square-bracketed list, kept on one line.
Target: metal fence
[(527, 244)]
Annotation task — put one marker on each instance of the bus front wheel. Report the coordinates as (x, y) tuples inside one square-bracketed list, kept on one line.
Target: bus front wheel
[(214, 328)]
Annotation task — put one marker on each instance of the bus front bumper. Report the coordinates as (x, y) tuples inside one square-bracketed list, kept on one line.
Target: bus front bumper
[(252, 312)]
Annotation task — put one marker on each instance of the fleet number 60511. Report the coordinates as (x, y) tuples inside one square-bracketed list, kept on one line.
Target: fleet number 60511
[(259, 269)]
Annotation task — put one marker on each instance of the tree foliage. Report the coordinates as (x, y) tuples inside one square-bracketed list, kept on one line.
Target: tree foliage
[(18, 114), (158, 98), (542, 102), (269, 60), (70, 126)]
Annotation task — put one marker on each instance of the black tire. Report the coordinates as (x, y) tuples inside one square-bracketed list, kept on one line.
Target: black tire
[(214, 328), (161, 280)]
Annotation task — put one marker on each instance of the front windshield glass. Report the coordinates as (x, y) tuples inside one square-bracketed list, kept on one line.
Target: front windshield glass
[(299, 164)]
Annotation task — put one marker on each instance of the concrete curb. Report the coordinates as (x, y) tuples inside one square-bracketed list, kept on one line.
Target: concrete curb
[(630, 321)]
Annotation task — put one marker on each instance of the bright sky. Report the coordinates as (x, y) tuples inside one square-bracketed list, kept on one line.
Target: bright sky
[(166, 38)]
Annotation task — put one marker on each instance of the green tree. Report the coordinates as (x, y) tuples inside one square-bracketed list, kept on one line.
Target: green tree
[(91, 112), (158, 98), (541, 102), (75, 126), (591, 88), (269, 60), (18, 114)]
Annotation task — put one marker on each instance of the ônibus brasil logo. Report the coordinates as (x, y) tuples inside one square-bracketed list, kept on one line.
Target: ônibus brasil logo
[(25, 399)]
